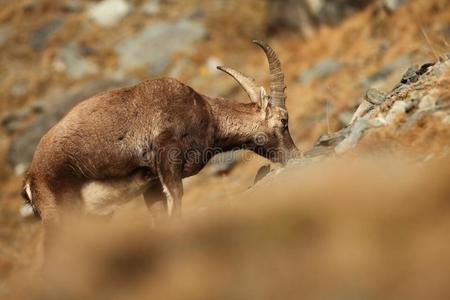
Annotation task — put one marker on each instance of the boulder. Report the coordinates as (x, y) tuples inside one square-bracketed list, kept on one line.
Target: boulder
[(155, 44)]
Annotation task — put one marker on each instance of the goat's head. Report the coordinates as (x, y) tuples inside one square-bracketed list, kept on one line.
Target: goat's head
[(271, 131)]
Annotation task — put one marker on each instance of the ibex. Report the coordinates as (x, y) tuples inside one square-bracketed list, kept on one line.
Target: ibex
[(118, 143)]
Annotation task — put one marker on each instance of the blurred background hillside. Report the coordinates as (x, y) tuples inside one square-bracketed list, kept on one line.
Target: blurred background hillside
[(55, 53)]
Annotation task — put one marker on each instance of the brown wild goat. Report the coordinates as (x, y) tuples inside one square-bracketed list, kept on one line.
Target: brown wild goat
[(117, 144)]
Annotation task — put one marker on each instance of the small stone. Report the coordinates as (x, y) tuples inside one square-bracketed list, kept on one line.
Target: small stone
[(19, 88), (411, 75), (108, 13), (444, 57), (198, 13), (428, 101), (12, 121), (375, 96), (151, 7), (398, 108), (70, 61), (362, 109), (392, 5), (446, 119), (5, 34), (38, 106), (71, 6), (330, 139), (39, 37)]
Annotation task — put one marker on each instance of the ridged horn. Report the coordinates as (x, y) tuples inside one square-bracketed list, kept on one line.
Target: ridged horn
[(277, 86), (247, 83)]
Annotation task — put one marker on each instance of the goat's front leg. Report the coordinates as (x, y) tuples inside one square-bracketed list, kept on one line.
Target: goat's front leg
[(156, 202), (170, 168)]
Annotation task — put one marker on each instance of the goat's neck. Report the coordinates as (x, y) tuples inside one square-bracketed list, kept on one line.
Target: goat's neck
[(236, 123)]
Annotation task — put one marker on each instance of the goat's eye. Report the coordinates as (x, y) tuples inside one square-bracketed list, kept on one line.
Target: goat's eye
[(284, 122)]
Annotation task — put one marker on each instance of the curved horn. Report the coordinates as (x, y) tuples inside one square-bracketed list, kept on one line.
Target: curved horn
[(247, 83), (277, 85)]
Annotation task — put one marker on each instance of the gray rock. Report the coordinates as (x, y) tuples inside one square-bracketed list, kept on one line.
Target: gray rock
[(197, 13), (59, 102), (70, 61), (392, 5), (330, 139), (411, 75), (39, 36), (398, 108), (151, 7), (108, 13), (71, 6), (5, 33), (11, 121), (356, 132), (362, 109), (444, 57), (323, 68), (155, 44), (19, 88), (38, 106), (375, 96)]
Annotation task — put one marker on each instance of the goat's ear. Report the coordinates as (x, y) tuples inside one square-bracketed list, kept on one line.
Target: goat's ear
[(264, 100)]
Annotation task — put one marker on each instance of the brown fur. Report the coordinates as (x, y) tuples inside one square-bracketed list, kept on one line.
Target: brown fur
[(145, 129)]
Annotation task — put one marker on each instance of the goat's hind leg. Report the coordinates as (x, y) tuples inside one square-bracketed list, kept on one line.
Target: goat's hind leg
[(50, 203), (43, 201)]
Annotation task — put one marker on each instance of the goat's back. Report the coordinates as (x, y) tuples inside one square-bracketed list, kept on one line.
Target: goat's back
[(108, 134)]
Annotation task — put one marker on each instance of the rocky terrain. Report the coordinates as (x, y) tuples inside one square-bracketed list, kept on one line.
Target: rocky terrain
[(362, 214)]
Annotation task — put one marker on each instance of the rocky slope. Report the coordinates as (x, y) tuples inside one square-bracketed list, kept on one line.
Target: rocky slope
[(362, 215)]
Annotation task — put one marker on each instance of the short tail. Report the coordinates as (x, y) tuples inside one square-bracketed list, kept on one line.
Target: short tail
[(27, 195)]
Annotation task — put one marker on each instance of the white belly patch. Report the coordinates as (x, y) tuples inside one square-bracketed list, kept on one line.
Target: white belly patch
[(103, 197)]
